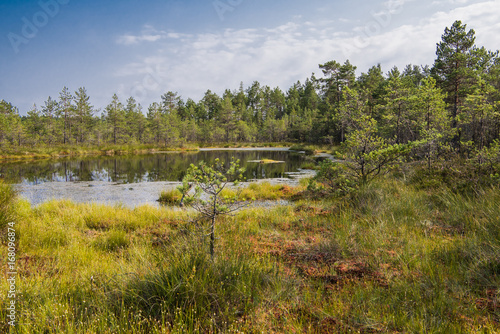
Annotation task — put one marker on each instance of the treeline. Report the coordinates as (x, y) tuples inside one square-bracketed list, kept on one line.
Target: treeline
[(456, 101)]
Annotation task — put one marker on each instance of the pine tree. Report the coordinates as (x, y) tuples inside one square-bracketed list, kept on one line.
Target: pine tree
[(154, 122), (454, 65), (34, 125), (84, 112), (399, 121), (49, 111), (371, 87), (9, 117), (434, 130), (170, 117), (65, 110), (115, 119), (227, 118)]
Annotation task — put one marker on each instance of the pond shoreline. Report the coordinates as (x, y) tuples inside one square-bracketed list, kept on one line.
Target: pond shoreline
[(134, 181), (126, 194), (60, 152)]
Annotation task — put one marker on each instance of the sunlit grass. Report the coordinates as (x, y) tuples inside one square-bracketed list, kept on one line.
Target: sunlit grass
[(55, 151), (387, 259), (170, 196), (266, 191), (253, 191), (7, 196)]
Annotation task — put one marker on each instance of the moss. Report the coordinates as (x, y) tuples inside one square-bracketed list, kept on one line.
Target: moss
[(390, 258)]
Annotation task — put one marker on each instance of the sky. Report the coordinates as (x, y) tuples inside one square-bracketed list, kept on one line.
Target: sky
[(146, 48)]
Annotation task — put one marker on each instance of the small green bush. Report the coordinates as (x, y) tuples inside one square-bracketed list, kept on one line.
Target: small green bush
[(331, 178)]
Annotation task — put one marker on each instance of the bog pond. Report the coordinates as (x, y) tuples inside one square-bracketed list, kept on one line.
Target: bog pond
[(133, 180)]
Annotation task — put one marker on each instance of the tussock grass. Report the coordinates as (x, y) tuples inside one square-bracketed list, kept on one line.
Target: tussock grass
[(267, 191), (309, 165), (112, 241), (311, 149), (245, 192), (195, 294), (171, 196), (308, 149), (390, 258), (7, 197)]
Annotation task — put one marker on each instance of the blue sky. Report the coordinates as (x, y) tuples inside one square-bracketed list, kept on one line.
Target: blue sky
[(146, 48)]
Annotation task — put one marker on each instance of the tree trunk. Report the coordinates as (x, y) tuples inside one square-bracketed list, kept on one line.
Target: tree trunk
[(212, 237)]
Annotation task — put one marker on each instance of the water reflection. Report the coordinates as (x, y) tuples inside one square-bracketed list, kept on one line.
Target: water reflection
[(145, 168)]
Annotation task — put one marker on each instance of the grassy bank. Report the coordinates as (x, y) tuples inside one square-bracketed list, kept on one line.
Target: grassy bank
[(55, 151), (254, 191), (45, 152), (388, 259), (243, 145), (311, 149)]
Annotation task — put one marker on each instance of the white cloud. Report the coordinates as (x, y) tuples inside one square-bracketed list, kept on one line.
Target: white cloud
[(148, 34), (282, 55), (131, 39)]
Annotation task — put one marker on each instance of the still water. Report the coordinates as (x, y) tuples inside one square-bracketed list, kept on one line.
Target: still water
[(138, 179)]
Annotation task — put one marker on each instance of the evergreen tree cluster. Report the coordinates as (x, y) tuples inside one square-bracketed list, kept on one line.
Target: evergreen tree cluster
[(454, 103)]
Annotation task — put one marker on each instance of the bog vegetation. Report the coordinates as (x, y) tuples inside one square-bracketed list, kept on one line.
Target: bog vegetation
[(401, 235)]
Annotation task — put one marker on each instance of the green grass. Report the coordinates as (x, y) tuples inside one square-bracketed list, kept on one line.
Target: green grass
[(266, 191), (242, 144), (246, 192), (268, 161), (311, 149), (171, 196), (261, 191), (390, 258), (309, 165), (54, 151), (14, 152), (7, 196)]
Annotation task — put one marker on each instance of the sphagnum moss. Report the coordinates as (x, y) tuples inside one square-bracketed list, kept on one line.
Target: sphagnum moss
[(389, 259)]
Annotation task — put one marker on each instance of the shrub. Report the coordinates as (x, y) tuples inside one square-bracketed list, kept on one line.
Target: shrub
[(333, 179), (367, 155)]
